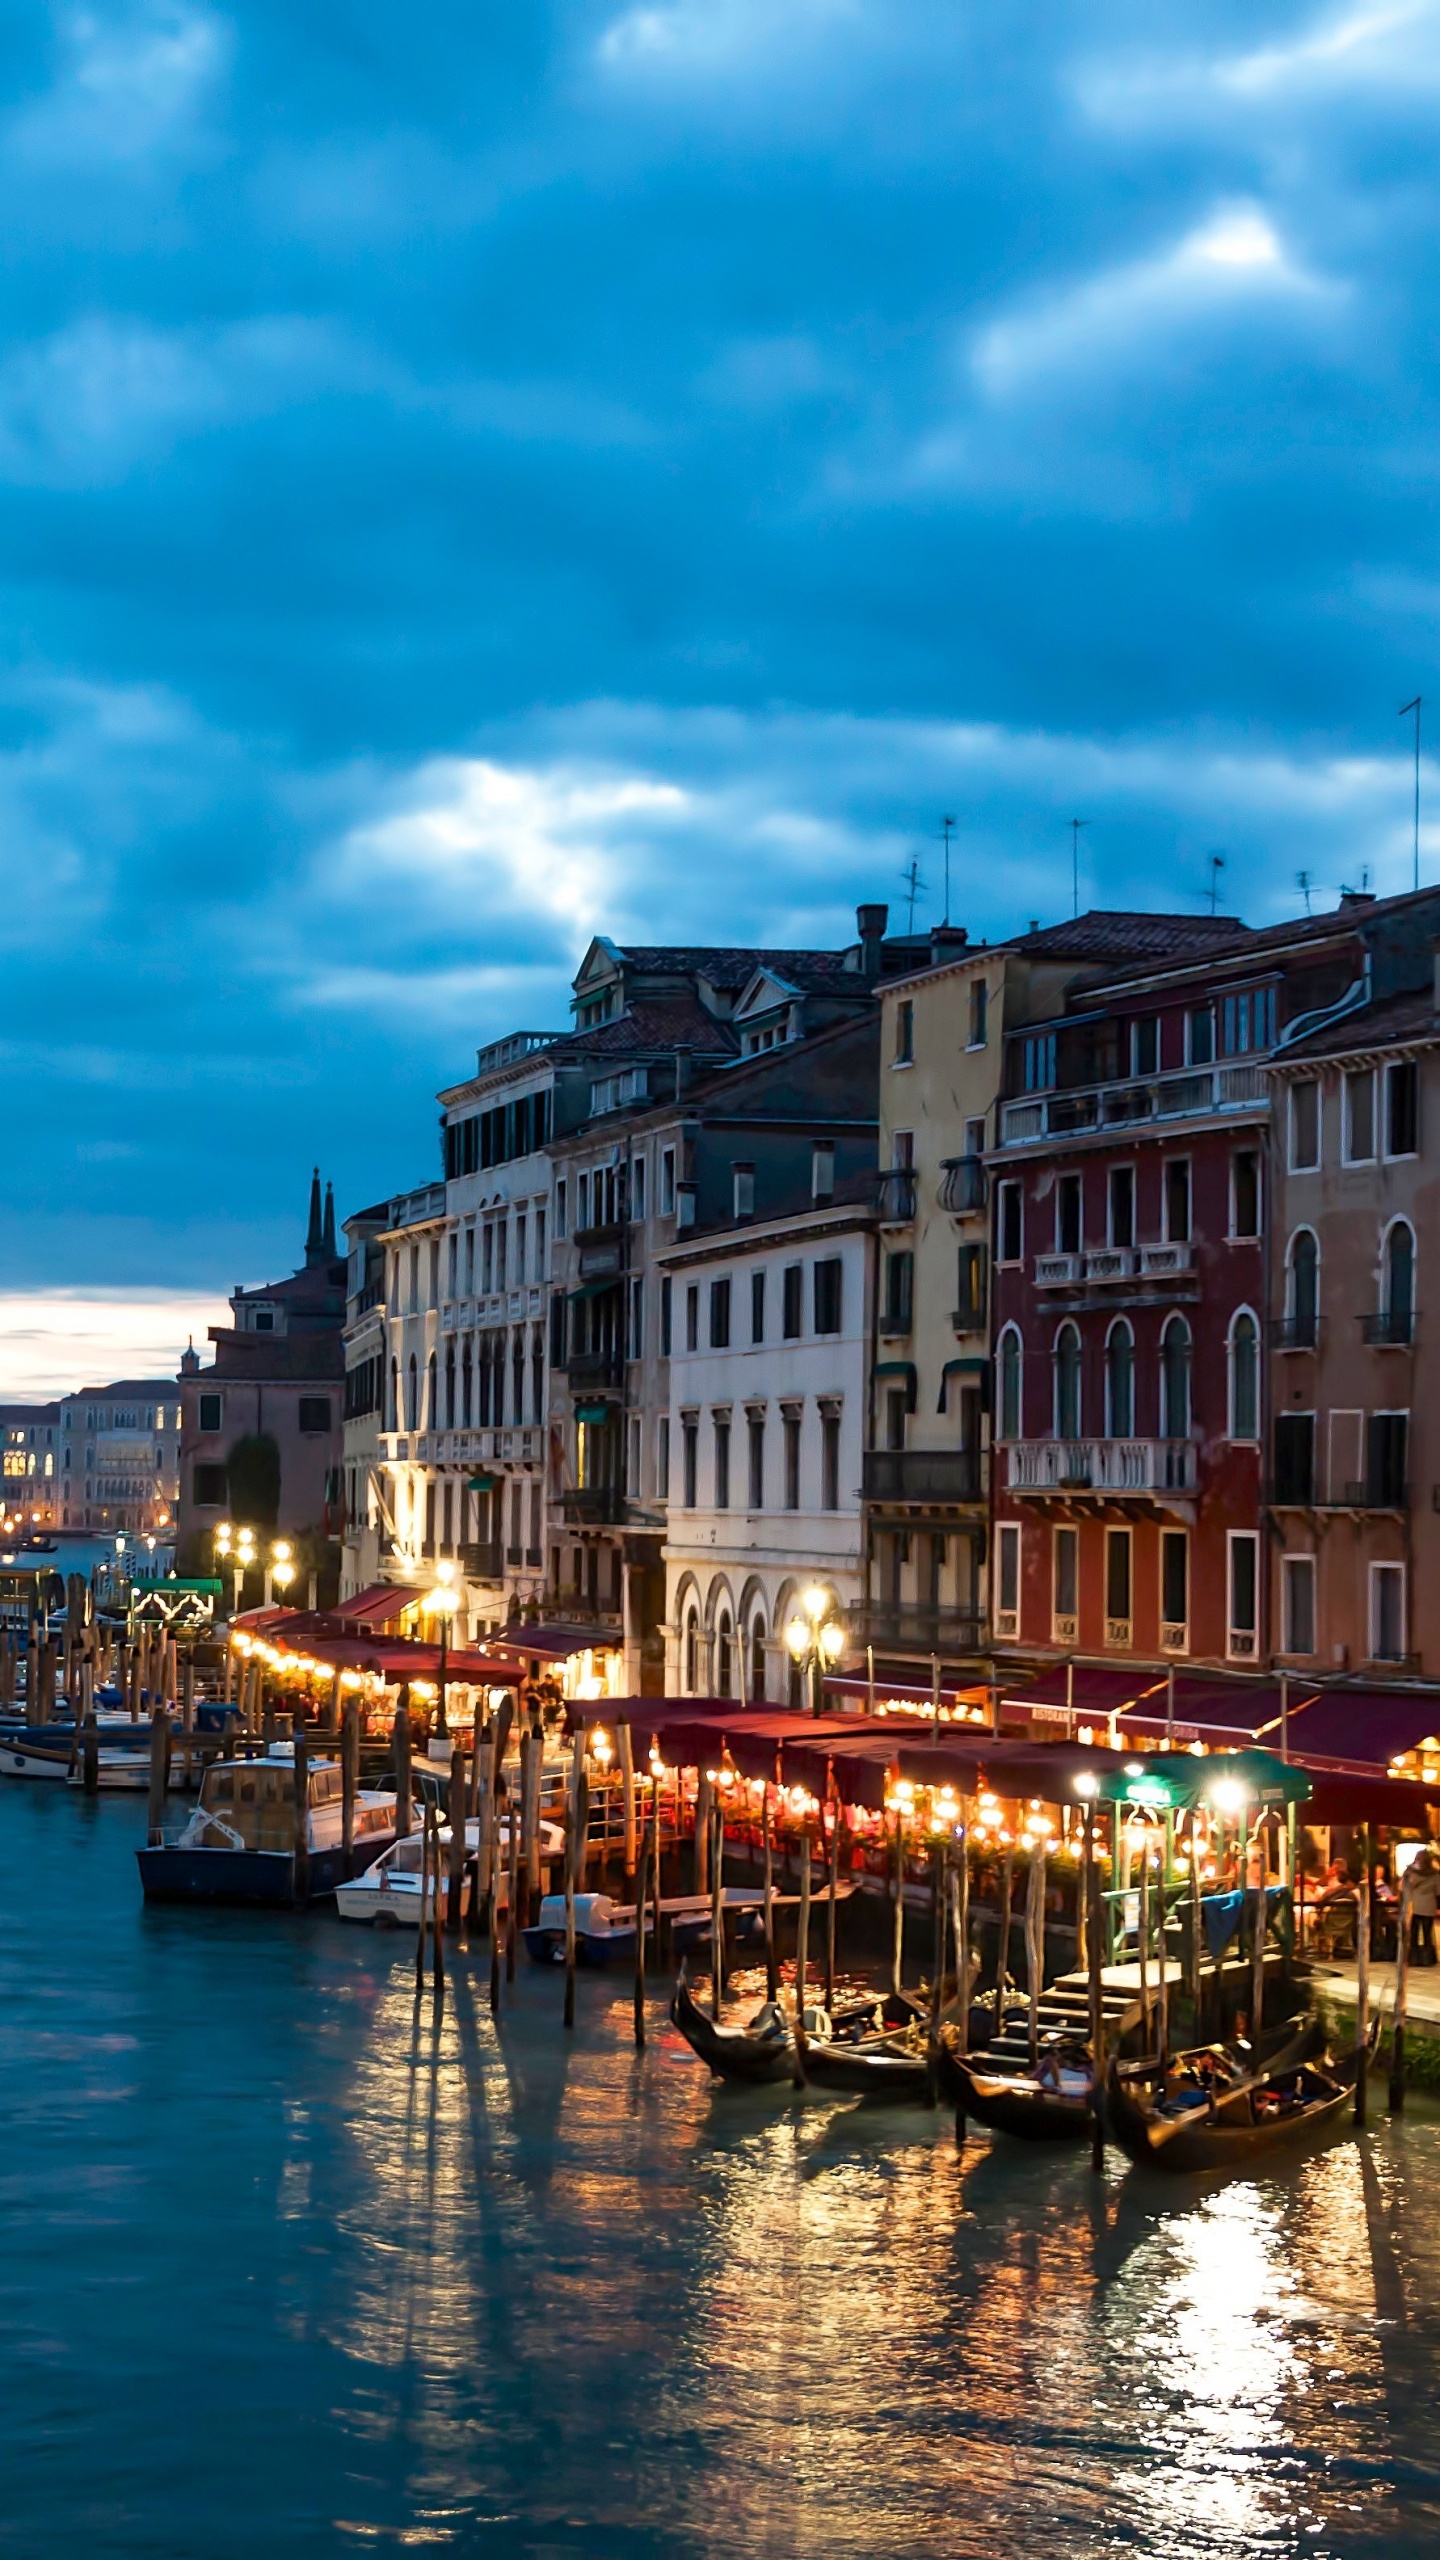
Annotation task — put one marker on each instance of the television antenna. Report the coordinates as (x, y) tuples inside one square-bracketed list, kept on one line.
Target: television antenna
[(913, 886), (1217, 865), (947, 829), (1075, 826)]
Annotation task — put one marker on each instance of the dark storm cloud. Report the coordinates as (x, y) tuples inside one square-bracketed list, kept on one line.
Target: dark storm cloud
[(475, 478)]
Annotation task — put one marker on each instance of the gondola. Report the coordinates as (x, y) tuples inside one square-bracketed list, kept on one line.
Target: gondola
[(1201, 2117), (758, 2054), (881, 2051), (1055, 2102)]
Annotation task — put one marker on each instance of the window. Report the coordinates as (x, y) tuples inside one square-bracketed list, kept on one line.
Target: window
[(211, 1488), (757, 1658), (742, 1178), (827, 1289), (756, 1435), (829, 1461), (521, 1238), (1122, 1205), (1007, 1578), (211, 1412), (666, 1316), (822, 1169), (1298, 1590), (487, 1249), (1065, 1615), (662, 1458), (1120, 1381), (690, 1459), (1244, 1381), (1387, 1612), (1359, 1128), (904, 1032), (1247, 1022), (1008, 1399), (1303, 1309), (635, 1326), (1305, 1126), (1245, 1192), (1402, 1108), (1145, 1046), (1040, 1062), (1010, 1223), (1174, 1591), (1175, 1380), (790, 1435), (719, 1315), (1177, 1201), (1295, 1457), (979, 1009), (1243, 1588), (792, 1313), (899, 1306), (1386, 1445), (692, 1317), (667, 1182), (722, 1461), (897, 1407), (970, 1291), (1067, 1213), (1397, 1283), (1067, 1383), (1117, 1586), (1200, 1035), (692, 1652)]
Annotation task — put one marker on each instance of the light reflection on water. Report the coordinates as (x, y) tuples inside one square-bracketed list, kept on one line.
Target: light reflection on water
[(288, 2269)]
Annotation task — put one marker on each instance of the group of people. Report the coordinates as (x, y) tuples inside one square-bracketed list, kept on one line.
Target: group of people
[(1338, 1887)]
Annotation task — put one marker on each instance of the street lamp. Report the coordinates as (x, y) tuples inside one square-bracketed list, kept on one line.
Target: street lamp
[(815, 1640), (442, 1603), (281, 1568)]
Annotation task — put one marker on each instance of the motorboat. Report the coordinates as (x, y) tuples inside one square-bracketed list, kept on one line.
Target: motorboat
[(239, 1843), (23, 1755), (395, 1891), (604, 1930)]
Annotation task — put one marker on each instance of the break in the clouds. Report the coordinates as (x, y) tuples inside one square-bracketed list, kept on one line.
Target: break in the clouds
[(475, 479)]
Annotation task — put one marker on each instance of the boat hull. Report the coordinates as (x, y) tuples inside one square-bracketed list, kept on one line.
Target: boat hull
[(242, 1876), (893, 2076), (1013, 2104), (732, 2053), (21, 1760), (593, 1948)]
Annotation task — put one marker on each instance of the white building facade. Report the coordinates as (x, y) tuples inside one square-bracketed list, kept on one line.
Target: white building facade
[(762, 1451)]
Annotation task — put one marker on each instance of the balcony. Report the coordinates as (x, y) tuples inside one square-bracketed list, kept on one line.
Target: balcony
[(1115, 1262), (1389, 1329), (1376, 1495), (593, 1507), (1114, 1265), (587, 1370), (1294, 1333), (902, 1627), (482, 1561), (1165, 1261), (924, 1475), (1058, 1270), (895, 1196), (1158, 1470), (1198, 1093), (963, 1184)]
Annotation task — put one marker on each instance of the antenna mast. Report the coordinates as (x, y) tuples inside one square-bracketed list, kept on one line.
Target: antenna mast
[(947, 828), (1217, 865), (1075, 826), (913, 886)]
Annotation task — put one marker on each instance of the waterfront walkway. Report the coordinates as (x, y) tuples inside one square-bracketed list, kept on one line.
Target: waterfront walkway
[(1337, 1982)]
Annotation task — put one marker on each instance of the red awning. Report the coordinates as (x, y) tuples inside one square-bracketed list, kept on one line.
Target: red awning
[(378, 1604), (1361, 1728)]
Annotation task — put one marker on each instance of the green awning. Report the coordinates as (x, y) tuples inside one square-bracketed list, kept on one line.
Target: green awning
[(974, 1368), (902, 1369), (1230, 1782), (593, 1412), (480, 1484), (594, 1288)]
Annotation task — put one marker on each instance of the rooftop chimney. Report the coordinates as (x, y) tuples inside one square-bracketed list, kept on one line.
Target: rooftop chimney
[(947, 941), (870, 923)]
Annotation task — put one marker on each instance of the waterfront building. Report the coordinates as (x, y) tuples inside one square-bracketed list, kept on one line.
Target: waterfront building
[(32, 1488), (261, 1429), (119, 1456)]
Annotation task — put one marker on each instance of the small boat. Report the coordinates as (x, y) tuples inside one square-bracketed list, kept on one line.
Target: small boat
[(116, 1772), (1207, 2112), (758, 2054), (389, 1894), (1053, 2103), (881, 2050), (239, 1843), (20, 1757), (604, 1930)]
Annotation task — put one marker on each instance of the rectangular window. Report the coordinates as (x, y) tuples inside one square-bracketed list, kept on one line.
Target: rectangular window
[(1010, 1223), (582, 1202), (1174, 1591), (757, 1306), (897, 1407), (667, 1182), (487, 1251), (1402, 1108), (211, 1412), (1007, 1578), (314, 1413), (500, 1242), (1040, 1062), (828, 1291), (635, 1347), (666, 1300), (1122, 1205), (1387, 1613), (1243, 1587), (793, 1301), (1359, 1136), (1386, 1450), (756, 1428), (1200, 1035), (822, 1169), (974, 1138), (742, 1182), (521, 1240), (1145, 1046), (899, 1293), (1305, 1126), (1295, 1457), (1065, 1628), (1117, 1587), (719, 1315), (829, 1461), (1177, 1201), (790, 1433), (1298, 1632), (722, 1462), (690, 1458), (212, 1488), (1067, 1213), (970, 1297), (979, 1009), (662, 1458), (692, 1317), (904, 1032), (1245, 1192)]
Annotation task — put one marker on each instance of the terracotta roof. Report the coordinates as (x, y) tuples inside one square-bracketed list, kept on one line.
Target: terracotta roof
[(1376, 1026), (1117, 933), (647, 1026), (722, 965)]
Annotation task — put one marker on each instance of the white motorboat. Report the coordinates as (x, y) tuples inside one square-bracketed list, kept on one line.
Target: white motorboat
[(23, 1759), (388, 1894)]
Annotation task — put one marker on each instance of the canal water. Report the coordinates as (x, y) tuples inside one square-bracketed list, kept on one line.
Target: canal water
[(288, 2269)]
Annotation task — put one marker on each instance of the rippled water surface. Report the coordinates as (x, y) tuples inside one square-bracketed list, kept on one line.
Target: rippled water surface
[(287, 2268)]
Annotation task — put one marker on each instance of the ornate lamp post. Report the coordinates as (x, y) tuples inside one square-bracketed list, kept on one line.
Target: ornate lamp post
[(815, 1640)]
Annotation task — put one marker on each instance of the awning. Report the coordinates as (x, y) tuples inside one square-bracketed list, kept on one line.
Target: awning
[(1367, 1727), (593, 1288), (901, 1369), (378, 1604), (591, 1411), (975, 1368)]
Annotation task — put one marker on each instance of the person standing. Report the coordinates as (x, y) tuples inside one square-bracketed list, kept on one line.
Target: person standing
[(1424, 1900)]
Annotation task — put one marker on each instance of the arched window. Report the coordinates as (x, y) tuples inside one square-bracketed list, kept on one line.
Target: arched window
[(1067, 1383), (432, 1382), (1120, 1382), (467, 1386), (1398, 1282), (412, 1409), (724, 1655), (1009, 1398), (1303, 1293), (449, 1386), (692, 1652), (395, 1395), (1175, 1380), (757, 1658), (1244, 1377)]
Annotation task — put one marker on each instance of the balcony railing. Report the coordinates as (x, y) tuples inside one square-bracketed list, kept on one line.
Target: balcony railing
[(963, 1184), (595, 1506), (1375, 1494), (588, 1369), (1058, 1270), (1389, 1328), (1195, 1094), (1102, 1467), (483, 1561), (924, 1475), (1294, 1333), (895, 1193), (902, 1628), (1112, 1263)]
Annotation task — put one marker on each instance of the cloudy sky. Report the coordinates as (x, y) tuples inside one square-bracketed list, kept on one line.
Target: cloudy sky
[(470, 477)]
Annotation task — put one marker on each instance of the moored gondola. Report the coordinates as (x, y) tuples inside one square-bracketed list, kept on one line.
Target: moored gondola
[(1053, 2103), (879, 2051), (1203, 2114), (757, 2054)]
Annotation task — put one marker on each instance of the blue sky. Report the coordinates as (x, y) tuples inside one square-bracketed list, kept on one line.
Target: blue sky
[(472, 477)]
